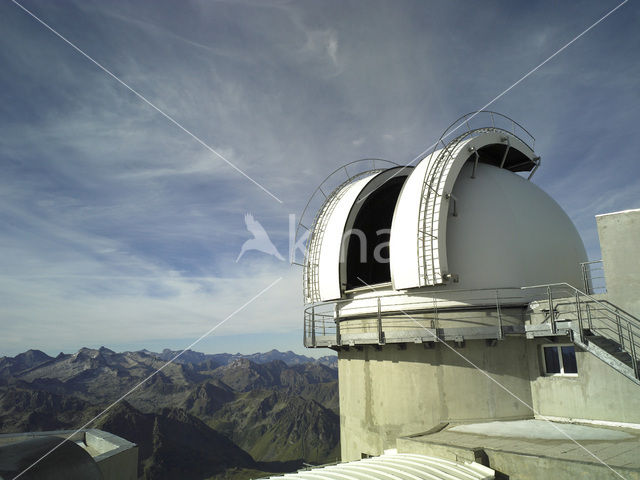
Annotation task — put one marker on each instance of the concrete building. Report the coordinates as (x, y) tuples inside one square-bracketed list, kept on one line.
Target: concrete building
[(86, 455), (457, 292)]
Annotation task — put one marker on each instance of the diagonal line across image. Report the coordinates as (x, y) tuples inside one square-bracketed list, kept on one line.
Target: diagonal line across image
[(148, 102), (436, 338), (149, 377), (421, 155)]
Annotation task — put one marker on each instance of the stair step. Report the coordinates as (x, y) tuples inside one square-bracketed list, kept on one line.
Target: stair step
[(612, 348), (624, 357), (606, 344)]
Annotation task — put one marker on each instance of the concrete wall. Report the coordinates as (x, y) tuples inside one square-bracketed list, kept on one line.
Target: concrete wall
[(390, 392), (598, 392), (620, 245), (116, 457)]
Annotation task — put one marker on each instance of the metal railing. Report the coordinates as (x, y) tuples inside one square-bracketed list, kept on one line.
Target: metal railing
[(593, 277), (480, 119), (422, 314), (426, 316), (567, 303)]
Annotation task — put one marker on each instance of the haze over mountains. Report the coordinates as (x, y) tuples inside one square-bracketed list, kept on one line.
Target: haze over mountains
[(202, 416)]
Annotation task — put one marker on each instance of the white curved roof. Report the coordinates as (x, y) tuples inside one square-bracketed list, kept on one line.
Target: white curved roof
[(509, 233), (506, 232), (403, 247), (397, 466), (418, 245), (322, 267)]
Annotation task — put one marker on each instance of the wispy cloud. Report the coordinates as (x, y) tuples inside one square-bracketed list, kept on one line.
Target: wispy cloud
[(109, 212)]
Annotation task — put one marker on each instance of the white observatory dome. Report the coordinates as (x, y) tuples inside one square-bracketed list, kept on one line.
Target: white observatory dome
[(507, 232), (462, 219)]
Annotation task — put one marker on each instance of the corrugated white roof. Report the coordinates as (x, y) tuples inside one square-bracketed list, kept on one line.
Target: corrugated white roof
[(397, 466)]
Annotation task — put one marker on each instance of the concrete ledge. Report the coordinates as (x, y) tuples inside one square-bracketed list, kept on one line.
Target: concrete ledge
[(115, 457), (8, 438), (533, 458)]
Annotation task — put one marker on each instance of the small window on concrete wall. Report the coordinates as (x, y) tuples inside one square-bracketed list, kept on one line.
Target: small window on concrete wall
[(559, 360)]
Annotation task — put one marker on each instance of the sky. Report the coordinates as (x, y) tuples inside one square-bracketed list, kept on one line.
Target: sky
[(119, 228)]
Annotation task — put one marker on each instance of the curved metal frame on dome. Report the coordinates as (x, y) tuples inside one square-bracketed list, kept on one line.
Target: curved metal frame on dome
[(466, 118), (311, 288), (440, 163), (342, 168)]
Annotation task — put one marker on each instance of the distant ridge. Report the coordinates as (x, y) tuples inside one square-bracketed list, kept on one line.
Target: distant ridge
[(288, 357), (33, 358), (232, 416)]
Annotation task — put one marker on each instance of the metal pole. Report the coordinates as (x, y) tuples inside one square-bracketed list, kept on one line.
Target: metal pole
[(435, 309), (578, 311), (589, 321), (584, 278), (313, 327), (475, 164), (619, 323), (634, 360), (380, 336), (552, 315), (500, 334), (304, 327), (506, 152), (336, 317)]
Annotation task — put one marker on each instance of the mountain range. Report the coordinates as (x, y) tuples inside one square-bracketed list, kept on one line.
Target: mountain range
[(200, 416)]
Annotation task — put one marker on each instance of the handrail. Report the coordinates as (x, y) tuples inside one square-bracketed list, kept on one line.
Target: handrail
[(632, 317), (464, 119), (591, 274), (433, 293), (610, 322), (328, 317), (617, 308), (329, 321), (402, 293)]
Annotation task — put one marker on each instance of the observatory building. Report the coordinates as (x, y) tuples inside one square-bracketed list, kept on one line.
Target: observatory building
[(459, 298)]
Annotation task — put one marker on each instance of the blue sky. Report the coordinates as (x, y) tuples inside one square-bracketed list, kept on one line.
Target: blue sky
[(119, 229)]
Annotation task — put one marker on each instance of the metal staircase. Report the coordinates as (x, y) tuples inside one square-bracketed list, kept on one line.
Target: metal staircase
[(599, 327)]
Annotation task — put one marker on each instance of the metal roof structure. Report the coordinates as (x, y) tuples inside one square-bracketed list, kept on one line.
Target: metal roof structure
[(397, 466)]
